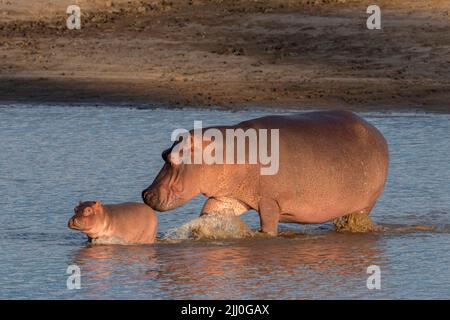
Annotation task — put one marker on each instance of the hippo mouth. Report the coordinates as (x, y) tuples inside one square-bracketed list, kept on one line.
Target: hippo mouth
[(72, 224), (159, 203)]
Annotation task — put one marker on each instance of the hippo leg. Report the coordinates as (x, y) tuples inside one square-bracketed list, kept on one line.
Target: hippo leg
[(269, 215), (223, 205), (358, 221)]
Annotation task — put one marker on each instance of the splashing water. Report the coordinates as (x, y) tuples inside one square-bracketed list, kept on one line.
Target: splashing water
[(211, 226), (356, 222)]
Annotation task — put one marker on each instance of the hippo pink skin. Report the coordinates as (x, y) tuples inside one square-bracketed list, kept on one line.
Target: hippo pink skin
[(127, 222), (332, 163)]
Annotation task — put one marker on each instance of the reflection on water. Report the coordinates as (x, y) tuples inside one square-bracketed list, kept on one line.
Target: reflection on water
[(51, 157), (246, 268)]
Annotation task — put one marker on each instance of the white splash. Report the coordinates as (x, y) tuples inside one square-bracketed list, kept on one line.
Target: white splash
[(211, 226)]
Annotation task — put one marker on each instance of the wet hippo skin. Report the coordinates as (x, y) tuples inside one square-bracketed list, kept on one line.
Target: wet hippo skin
[(331, 164), (125, 223)]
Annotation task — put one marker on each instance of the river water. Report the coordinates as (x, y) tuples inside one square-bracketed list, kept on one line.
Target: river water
[(52, 156)]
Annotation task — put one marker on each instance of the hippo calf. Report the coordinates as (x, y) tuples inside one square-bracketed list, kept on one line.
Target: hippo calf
[(118, 223), (331, 164)]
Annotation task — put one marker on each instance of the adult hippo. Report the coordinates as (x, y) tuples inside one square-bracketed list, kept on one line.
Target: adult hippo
[(331, 164)]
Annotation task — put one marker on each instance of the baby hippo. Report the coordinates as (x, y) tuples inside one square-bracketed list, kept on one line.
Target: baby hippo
[(119, 223)]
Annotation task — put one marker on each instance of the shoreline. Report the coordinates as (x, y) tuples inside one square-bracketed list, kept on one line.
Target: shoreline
[(402, 111), (231, 55)]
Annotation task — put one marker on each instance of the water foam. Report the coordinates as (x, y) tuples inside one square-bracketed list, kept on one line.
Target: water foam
[(211, 226)]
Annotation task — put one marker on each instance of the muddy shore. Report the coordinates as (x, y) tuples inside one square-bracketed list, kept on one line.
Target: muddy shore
[(231, 54)]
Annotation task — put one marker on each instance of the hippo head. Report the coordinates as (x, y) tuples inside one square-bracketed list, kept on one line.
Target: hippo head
[(87, 217), (178, 181)]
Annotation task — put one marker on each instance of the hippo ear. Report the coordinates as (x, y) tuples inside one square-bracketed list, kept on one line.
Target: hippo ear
[(97, 205), (174, 155), (199, 142), (165, 154), (77, 206), (191, 145), (196, 142), (174, 159)]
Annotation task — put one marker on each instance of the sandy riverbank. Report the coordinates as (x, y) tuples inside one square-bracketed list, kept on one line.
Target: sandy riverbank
[(227, 53)]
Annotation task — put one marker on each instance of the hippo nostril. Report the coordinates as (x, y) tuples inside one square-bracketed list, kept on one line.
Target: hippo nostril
[(71, 224)]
